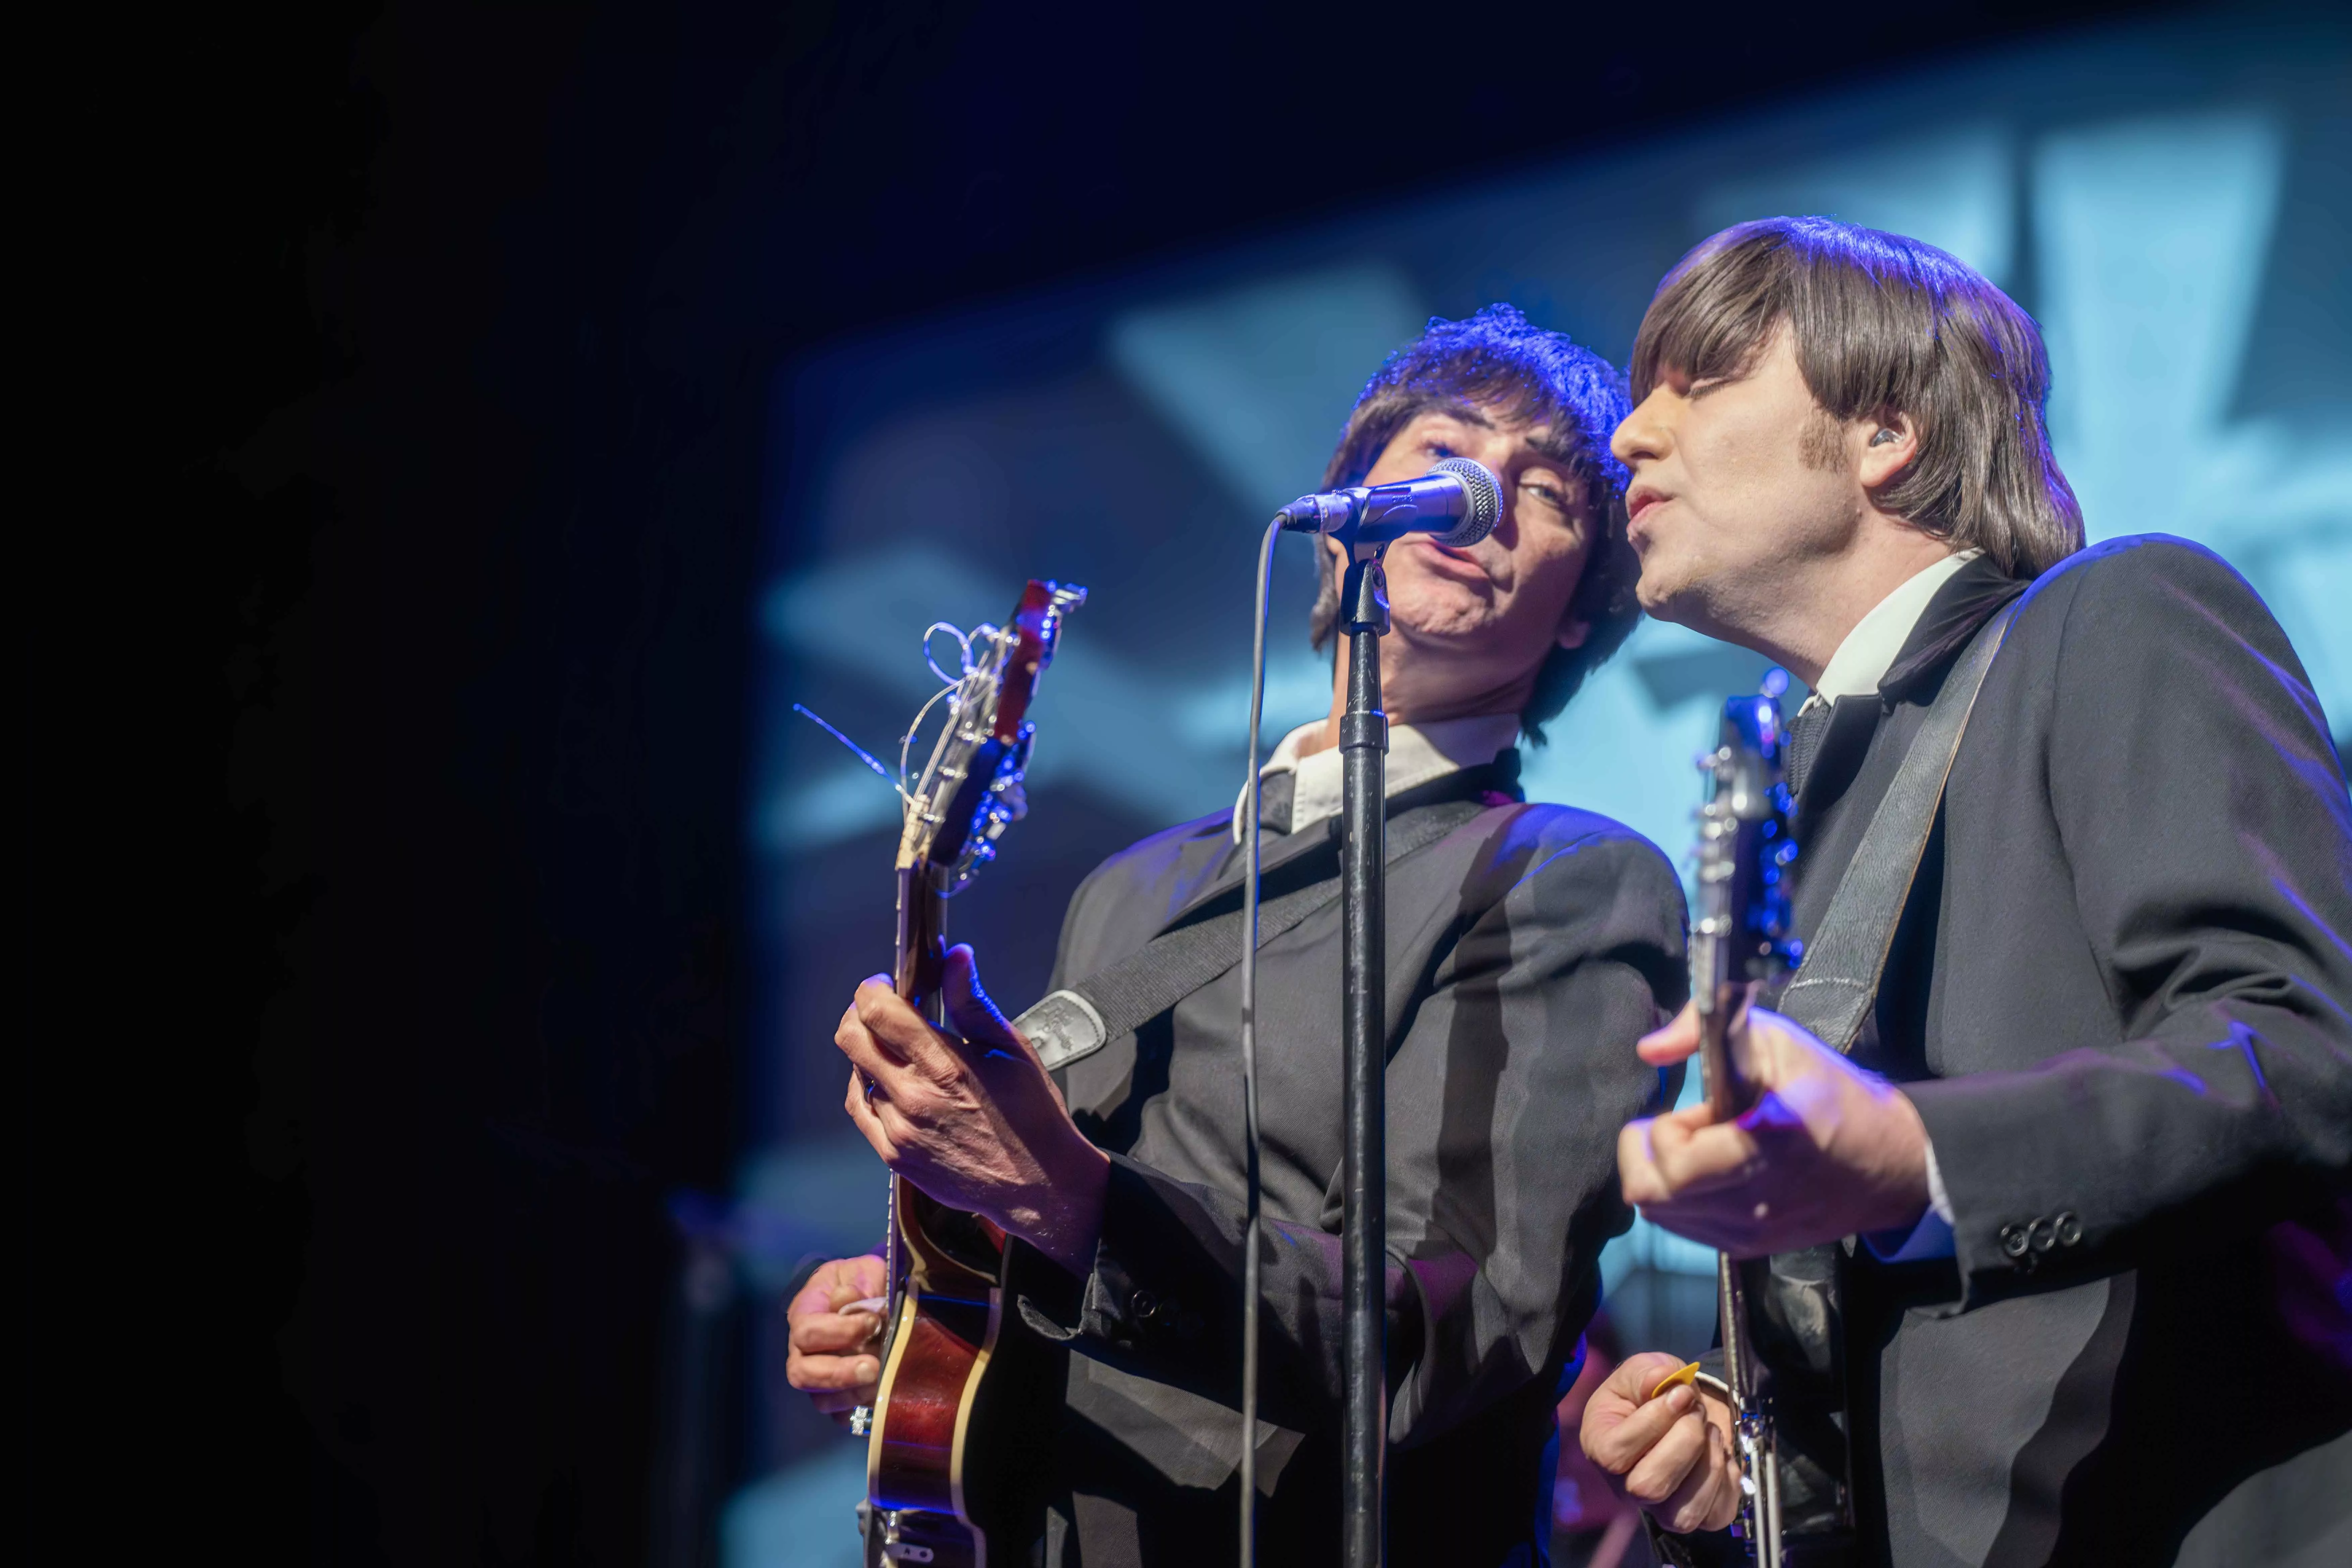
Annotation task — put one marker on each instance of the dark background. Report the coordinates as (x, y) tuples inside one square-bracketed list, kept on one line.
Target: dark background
[(385, 651)]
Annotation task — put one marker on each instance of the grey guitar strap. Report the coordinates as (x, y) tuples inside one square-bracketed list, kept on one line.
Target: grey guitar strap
[(1068, 1025), (1834, 988)]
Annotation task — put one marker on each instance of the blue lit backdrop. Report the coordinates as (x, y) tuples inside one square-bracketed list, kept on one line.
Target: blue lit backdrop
[(2168, 202)]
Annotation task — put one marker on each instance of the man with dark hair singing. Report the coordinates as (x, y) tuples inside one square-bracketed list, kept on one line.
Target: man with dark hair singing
[(2088, 1153), (1530, 946)]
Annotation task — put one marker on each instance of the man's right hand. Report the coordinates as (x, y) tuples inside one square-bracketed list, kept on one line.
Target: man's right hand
[(835, 1356), (1674, 1452)]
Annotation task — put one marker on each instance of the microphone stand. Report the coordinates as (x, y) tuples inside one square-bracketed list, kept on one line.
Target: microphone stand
[(1363, 898)]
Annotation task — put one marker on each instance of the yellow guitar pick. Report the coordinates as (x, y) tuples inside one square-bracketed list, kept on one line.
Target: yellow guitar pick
[(1686, 1373)]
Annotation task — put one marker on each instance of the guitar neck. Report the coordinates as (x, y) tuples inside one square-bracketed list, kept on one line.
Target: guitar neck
[(1728, 1093), (915, 975), (922, 941)]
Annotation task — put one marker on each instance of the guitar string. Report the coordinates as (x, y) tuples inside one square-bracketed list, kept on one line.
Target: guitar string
[(860, 752), (958, 690), (964, 643), (907, 741), (948, 684)]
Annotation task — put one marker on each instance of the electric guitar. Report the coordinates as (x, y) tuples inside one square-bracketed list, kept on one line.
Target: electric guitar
[(953, 1459), (1780, 1316)]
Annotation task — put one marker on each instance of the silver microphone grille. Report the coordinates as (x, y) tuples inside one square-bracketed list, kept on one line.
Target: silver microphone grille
[(1485, 501)]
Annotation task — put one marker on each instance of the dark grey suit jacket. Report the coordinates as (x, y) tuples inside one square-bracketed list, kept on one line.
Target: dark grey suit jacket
[(1527, 950), (2119, 996)]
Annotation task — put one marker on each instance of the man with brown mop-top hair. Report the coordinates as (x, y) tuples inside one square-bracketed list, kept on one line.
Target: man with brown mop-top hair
[(2085, 1169)]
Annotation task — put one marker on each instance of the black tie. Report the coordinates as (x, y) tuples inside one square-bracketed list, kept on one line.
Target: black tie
[(1805, 732)]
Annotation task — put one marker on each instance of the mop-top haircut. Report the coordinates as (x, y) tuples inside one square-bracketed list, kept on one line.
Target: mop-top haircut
[(1884, 325), (1507, 370)]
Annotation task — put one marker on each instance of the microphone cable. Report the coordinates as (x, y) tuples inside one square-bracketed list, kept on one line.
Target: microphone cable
[(1252, 832)]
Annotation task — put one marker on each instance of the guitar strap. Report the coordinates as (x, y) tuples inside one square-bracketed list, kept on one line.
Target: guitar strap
[(1797, 1298), (1834, 988), (1071, 1023)]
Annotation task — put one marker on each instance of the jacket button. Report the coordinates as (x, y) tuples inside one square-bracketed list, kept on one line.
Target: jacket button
[(1144, 1306), (2014, 1241), (2069, 1229), (2044, 1236)]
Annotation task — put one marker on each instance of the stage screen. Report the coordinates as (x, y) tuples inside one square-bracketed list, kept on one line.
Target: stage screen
[(2168, 202)]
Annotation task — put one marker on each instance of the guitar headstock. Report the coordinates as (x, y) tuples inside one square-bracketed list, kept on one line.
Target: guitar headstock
[(1745, 849), (972, 789)]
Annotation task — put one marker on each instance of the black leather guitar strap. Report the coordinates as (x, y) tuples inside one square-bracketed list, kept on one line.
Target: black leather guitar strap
[(1068, 1025)]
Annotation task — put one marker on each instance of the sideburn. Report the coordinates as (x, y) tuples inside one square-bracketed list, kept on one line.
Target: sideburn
[(1822, 444)]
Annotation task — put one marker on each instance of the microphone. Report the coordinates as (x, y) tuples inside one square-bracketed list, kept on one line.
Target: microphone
[(1458, 502)]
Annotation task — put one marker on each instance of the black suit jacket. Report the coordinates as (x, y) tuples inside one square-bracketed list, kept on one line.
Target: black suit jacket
[(2119, 999), (1526, 950)]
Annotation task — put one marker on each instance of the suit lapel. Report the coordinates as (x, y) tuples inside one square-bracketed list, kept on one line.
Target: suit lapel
[(1107, 1089), (1209, 869), (1973, 597), (1499, 778), (1949, 623)]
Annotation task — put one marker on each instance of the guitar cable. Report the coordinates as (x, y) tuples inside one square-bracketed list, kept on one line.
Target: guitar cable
[(1253, 833)]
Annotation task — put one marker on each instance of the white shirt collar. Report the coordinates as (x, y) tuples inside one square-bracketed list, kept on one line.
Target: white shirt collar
[(1417, 754), (1861, 660)]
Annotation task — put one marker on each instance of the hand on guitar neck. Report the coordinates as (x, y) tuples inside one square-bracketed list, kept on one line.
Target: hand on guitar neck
[(971, 1116), (1827, 1150)]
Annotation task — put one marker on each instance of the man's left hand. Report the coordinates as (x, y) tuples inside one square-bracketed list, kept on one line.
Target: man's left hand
[(1828, 1151), (972, 1118)]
